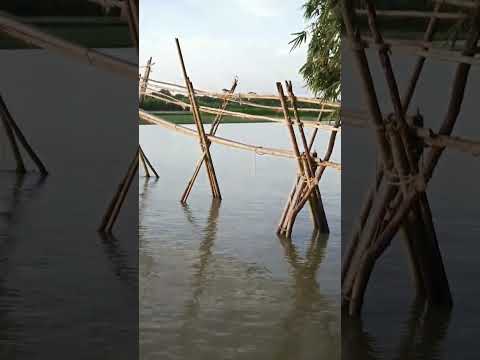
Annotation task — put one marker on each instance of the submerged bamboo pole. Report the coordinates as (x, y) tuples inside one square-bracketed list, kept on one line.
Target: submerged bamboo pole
[(11, 138), (147, 163), (116, 204), (306, 188), (251, 96), (12, 131)]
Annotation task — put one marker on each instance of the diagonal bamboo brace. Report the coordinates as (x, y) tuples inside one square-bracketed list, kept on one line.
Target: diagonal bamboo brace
[(204, 143), (213, 130)]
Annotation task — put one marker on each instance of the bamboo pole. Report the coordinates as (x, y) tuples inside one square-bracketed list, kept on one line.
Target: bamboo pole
[(130, 7), (405, 164), (305, 171), (201, 130), (145, 158), (213, 130), (428, 251), (5, 114), (144, 82), (113, 210), (11, 138), (316, 200), (147, 173)]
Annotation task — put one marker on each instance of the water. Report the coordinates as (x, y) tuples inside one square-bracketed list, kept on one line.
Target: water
[(393, 325), (215, 280), (65, 291)]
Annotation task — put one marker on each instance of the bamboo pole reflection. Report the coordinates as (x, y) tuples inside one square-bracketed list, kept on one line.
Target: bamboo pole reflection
[(199, 278), (124, 268), (306, 297), (11, 197), (422, 337)]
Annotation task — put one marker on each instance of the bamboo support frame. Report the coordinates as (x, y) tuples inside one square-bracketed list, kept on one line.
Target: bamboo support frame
[(213, 130), (204, 145), (116, 204), (401, 204), (306, 184)]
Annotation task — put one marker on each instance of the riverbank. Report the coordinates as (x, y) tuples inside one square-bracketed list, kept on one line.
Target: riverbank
[(185, 118)]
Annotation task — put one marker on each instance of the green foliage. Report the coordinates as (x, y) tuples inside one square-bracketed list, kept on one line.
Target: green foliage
[(322, 69)]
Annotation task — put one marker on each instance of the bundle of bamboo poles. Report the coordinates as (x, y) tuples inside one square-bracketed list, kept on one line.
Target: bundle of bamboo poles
[(397, 201)]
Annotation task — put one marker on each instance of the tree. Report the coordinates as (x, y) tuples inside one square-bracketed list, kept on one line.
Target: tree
[(322, 69)]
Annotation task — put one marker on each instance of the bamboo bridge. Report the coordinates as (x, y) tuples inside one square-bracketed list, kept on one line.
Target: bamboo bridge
[(396, 202)]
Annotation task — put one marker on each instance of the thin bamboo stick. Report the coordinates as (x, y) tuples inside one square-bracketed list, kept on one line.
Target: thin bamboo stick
[(11, 138), (144, 82), (149, 163), (115, 205), (147, 173), (5, 113)]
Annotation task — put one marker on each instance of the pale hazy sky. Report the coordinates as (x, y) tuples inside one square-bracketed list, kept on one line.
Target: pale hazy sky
[(224, 38)]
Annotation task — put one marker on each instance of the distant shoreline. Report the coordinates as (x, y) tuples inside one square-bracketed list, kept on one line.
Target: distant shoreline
[(185, 118)]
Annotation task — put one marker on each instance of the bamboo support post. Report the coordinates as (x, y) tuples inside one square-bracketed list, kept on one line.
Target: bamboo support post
[(213, 131), (201, 131), (147, 164), (144, 82), (13, 131), (306, 186), (116, 204), (398, 200)]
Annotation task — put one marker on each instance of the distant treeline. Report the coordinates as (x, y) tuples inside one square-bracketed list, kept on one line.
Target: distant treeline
[(53, 8), (152, 104)]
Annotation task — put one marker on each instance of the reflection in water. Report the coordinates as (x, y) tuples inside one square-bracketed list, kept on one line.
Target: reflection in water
[(56, 273), (215, 281), (199, 278), (121, 261), (421, 336), (307, 294), (15, 189)]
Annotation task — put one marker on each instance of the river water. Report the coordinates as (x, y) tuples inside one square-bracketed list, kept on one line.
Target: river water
[(215, 280), (65, 291)]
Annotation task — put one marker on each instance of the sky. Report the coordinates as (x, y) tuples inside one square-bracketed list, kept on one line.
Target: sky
[(221, 39)]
